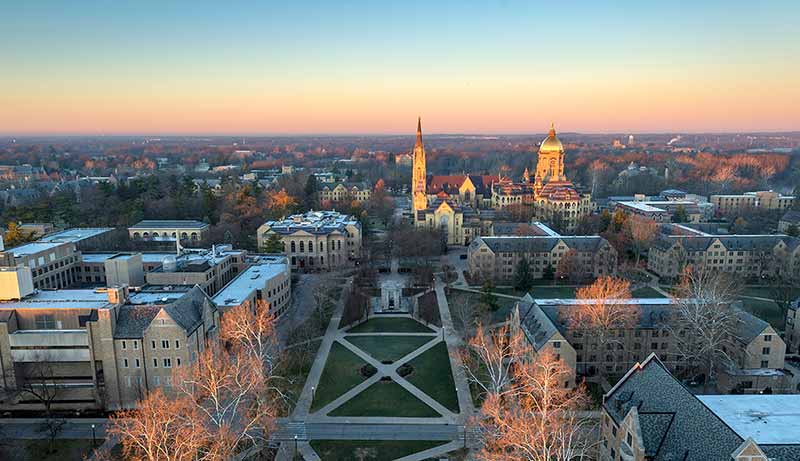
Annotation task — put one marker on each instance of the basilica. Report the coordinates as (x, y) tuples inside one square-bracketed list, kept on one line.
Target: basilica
[(465, 206)]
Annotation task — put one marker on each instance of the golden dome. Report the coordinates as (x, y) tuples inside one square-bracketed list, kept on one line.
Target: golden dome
[(551, 143)]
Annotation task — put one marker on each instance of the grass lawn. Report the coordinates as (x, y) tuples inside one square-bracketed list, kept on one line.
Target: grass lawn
[(766, 292), (553, 292), (765, 310), (341, 373), (385, 399), (36, 450), (433, 376), (646, 292), (381, 450), (390, 325), (295, 369), (391, 348)]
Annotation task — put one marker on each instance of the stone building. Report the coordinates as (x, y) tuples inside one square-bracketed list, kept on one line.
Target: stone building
[(317, 240), (98, 349), (419, 200), (747, 256), (756, 364), (650, 415), (763, 200), (267, 279), (346, 192), (496, 258), (158, 229)]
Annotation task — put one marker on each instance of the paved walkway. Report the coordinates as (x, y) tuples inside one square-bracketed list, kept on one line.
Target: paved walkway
[(311, 425)]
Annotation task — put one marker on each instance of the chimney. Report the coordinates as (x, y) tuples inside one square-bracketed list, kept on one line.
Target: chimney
[(117, 295)]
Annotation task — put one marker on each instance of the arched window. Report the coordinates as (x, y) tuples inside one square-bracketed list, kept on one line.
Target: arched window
[(136, 235), (294, 249), (194, 235), (155, 235), (302, 246), (184, 236)]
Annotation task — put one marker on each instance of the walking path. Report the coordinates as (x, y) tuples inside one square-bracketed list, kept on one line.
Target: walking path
[(306, 424)]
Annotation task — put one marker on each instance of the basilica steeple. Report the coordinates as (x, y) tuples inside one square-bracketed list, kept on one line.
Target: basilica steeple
[(418, 175)]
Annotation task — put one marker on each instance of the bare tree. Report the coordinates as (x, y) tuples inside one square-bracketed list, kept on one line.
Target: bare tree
[(40, 384), (642, 232), (705, 324), (161, 428), (539, 419), (490, 356), (604, 310)]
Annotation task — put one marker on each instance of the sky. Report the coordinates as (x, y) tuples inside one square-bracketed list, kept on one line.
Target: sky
[(342, 67)]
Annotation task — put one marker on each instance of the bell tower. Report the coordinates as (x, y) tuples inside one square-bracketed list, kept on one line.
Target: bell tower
[(418, 175)]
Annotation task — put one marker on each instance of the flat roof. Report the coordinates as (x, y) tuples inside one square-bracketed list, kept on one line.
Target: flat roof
[(157, 297), (60, 299), (169, 224), (768, 419), (75, 234), (33, 248), (252, 279), (641, 206), (96, 257), (578, 302)]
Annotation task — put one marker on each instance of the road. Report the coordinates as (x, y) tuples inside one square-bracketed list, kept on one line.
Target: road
[(32, 428), (302, 305)]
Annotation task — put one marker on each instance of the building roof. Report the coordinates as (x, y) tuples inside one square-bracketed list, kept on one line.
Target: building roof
[(75, 234), (314, 222), (186, 311), (246, 283), (731, 242), (60, 299), (792, 217), (768, 419), (32, 248), (677, 425), (535, 243), (169, 224)]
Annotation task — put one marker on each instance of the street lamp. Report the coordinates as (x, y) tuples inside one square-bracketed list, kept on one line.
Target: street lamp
[(295, 445), (313, 393), (94, 437)]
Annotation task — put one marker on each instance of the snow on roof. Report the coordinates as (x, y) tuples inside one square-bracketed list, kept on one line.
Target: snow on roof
[(157, 297), (32, 248), (169, 224), (575, 302), (155, 257), (96, 257), (641, 207), (75, 234), (768, 419), (242, 287), (63, 299)]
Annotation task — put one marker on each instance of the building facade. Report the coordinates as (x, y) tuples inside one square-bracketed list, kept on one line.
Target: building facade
[(267, 279), (97, 349), (344, 192), (764, 200), (317, 240), (157, 229), (496, 258), (757, 362)]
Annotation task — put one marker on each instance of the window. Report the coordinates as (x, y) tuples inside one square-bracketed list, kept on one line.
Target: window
[(124, 345), (765, 364), (177, 361), (157, 380), (155, 362), (136, 363), (136, 345), (177, 344), (630, 439), (167, 362), (45, 322), (153, 343), (767, 338), (557, 344), (128, 379), (125, 363), (765, 351), (165, 344)]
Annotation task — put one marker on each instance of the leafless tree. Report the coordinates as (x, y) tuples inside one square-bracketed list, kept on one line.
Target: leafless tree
[(705, 324), (490, 356), (603, 312), (539, 420), (40, 384), (642, 232)]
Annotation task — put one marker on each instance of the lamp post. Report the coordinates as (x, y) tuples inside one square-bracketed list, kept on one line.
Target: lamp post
[(94, 437), (313, 393), (295, 445)]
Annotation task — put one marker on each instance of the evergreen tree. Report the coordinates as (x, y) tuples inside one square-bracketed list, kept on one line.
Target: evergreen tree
[(680, 215), (487, 296), (310, 193), (523, 278), (274, 244)]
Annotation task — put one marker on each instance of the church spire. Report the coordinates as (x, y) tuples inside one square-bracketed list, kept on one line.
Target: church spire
[(419, 133), (552, 129)]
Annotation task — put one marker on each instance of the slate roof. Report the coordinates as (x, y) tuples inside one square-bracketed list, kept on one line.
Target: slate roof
[(187, 311), (693, 432), (675, 424), (451, 183), (169, 224), (792, 217), (535, 243), (731, 242)]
